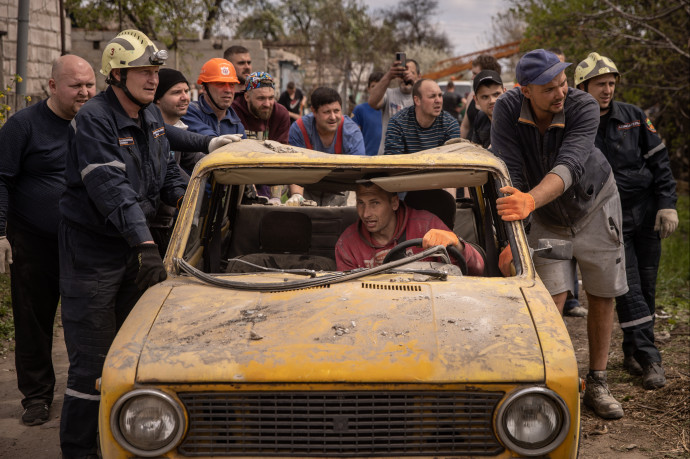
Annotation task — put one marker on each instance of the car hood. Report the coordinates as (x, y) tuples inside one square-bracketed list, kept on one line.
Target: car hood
[(471, 330)]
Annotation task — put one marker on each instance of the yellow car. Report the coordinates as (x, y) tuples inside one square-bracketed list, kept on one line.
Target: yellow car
[(256, 346)]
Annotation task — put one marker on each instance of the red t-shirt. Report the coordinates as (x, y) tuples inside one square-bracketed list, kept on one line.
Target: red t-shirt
[(356, 249)]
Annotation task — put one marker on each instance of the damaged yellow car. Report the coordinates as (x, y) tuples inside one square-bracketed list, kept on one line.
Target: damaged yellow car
[(256, 346)]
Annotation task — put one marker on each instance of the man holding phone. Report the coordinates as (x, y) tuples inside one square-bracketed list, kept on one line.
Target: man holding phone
[(391, 101)]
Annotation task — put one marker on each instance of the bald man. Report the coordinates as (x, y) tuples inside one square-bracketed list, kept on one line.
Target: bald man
[(33, 146)]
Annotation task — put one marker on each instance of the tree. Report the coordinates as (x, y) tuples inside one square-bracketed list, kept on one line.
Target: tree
[(162, 20), (648, 41), (411, 21)]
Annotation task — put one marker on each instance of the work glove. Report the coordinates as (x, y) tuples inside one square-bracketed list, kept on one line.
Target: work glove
[(221, 140), (295, 200), (435, 237), (505, 262), (666, 222), (516, 206), (6, 254), (149, 266)]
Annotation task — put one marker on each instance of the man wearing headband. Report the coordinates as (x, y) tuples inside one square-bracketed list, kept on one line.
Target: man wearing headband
[(564, 189), (257, 109)]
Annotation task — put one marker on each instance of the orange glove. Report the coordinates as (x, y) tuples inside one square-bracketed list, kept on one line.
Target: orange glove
[(435, 237), (505, 262), (517, 206)]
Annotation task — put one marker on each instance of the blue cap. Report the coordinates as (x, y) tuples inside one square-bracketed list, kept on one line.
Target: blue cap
[(538, 67)]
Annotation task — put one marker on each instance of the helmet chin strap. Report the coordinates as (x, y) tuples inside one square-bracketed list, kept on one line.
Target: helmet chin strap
[(208, 94), (122, 84)]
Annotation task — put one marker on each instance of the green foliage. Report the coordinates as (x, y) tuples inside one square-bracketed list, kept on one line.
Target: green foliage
[(5, 109), (163, 20), (673, 281), (648, 41)]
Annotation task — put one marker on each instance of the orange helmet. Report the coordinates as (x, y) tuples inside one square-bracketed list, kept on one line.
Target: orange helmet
[(217, 70)]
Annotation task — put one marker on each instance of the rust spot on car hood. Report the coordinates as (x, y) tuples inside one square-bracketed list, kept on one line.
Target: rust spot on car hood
[(473, 330)]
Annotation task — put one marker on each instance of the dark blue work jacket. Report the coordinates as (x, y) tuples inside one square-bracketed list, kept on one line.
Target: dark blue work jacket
[(638, 157), (118, 169), (566, 149)]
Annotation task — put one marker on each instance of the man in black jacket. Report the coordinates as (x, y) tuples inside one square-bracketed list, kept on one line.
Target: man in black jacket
[(647, 189), (33, 146)]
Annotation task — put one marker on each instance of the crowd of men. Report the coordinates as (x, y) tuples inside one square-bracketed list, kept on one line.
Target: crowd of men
[(90, 183)]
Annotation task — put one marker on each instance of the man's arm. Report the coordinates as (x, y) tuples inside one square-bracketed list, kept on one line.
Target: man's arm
[(195, 123), (353, 139), (378, 91), (394, 144), (184, 140), (452, 127), (655, 155), (13, 142), (465, 126), (505, 142), (102, 169), (295, 137)]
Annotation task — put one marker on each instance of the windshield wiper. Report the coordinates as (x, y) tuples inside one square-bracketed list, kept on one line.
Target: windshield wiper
[(302, 272), (333, 278)]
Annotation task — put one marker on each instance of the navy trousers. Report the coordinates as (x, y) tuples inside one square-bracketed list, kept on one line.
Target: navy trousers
[(637, 307), (98, 293)]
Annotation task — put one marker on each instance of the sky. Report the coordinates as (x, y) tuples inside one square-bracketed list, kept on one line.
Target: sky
[(466, 22)]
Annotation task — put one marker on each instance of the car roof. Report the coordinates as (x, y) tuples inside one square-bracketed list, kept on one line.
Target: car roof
[(249, 161)]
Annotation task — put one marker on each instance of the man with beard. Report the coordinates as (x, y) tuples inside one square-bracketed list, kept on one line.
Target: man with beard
[(257, 109), (422, 126)]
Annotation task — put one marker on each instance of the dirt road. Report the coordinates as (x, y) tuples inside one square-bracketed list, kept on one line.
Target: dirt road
[(655, 425)]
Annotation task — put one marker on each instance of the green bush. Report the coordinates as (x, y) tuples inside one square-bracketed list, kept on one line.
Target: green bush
[(673, 281)]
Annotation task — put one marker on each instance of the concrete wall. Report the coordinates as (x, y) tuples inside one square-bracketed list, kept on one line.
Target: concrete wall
[(188, 59)]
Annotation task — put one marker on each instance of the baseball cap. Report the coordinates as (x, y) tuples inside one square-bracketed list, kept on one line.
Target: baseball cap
[(538, 67), (259, 80), (167, 78), (486, 77)]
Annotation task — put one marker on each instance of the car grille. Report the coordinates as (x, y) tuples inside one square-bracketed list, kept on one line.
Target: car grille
[(369, 423)]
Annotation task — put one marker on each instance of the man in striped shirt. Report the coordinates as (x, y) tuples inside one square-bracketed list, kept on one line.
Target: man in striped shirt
[(422, 126)]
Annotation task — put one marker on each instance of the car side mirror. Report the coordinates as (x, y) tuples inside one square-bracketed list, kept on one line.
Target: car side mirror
[(554, 249)]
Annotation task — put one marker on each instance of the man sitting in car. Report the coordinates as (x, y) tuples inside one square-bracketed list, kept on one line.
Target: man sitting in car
[(384, 222)]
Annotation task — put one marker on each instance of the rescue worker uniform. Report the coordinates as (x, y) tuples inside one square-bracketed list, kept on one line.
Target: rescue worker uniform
[(640, 163), (117, 170)]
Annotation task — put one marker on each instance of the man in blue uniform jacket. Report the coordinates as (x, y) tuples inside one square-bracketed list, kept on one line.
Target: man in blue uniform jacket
[(118, 167)]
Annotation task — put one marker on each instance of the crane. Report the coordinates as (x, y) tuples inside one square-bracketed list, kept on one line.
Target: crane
[(458, 64)]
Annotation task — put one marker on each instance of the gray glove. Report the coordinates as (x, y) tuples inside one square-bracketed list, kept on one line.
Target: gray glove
[(5, 255), (666, 222), (221, 140)]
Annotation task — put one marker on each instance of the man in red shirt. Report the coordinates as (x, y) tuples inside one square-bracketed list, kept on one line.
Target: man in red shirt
[(384, 222)]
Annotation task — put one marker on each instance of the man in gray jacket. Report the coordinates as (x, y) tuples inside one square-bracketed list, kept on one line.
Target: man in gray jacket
[(545, 131)]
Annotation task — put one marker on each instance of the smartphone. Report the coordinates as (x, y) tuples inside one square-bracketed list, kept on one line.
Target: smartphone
[(402, 58)]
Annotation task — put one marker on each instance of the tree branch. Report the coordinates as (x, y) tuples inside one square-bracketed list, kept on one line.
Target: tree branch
[(646, 25)]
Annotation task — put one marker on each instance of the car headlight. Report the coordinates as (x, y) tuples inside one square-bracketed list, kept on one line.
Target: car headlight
[(533, 421), (147, 422)]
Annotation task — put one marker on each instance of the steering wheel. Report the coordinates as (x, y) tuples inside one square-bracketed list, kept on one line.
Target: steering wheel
[(395, 253)]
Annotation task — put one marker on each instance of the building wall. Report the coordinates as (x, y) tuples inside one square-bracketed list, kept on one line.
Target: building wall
[(44, 43), (188, 59)]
